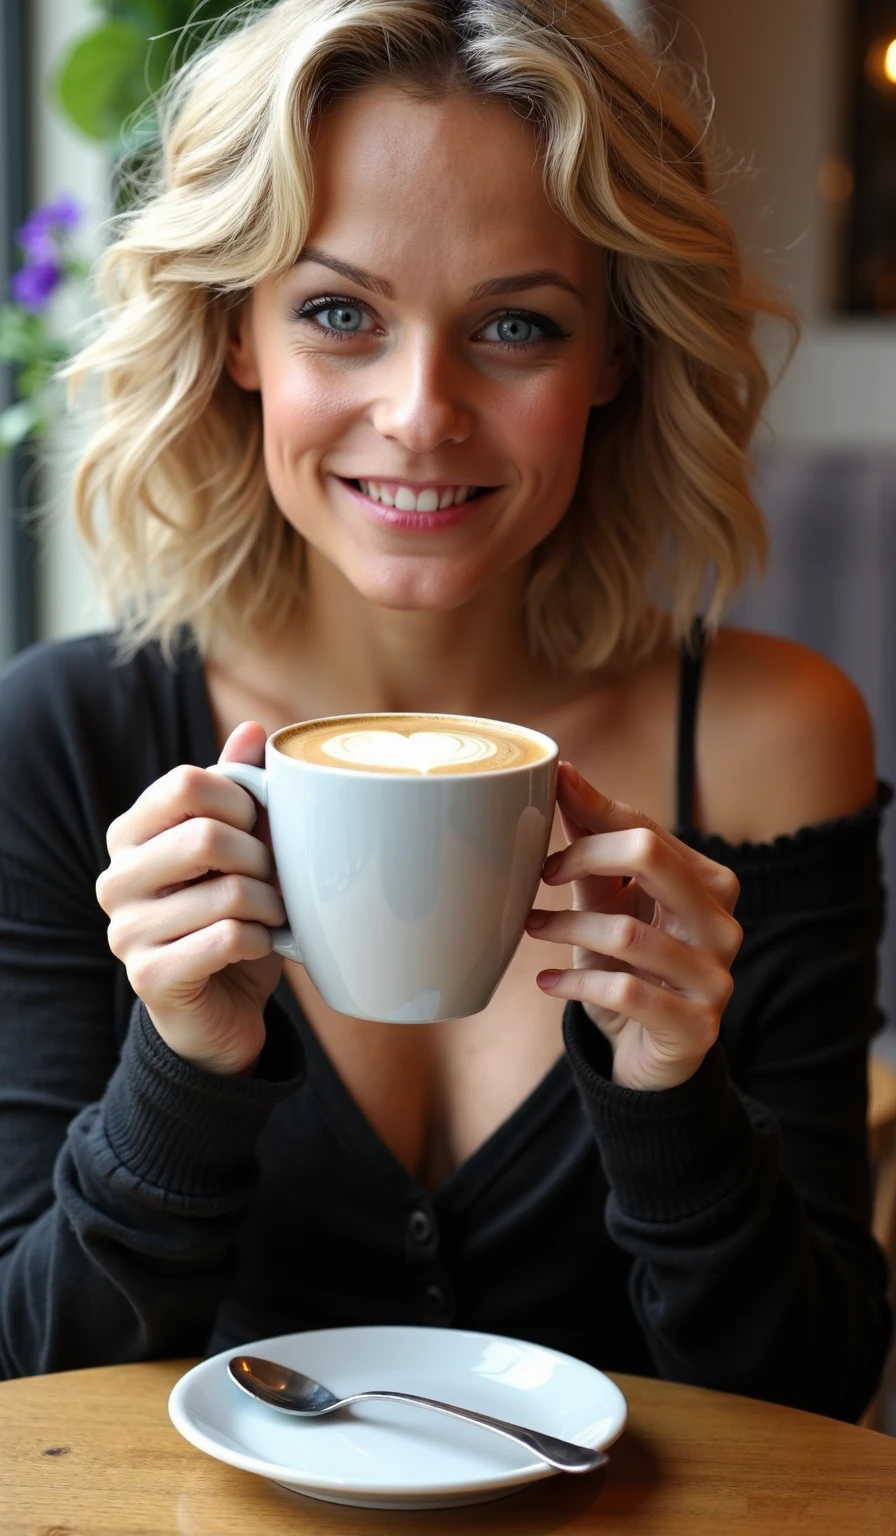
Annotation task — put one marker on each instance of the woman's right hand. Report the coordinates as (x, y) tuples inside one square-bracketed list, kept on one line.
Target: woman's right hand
[(189, 896)]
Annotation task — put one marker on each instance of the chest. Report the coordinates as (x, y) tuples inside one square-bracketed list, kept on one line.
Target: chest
[(435, 1093)]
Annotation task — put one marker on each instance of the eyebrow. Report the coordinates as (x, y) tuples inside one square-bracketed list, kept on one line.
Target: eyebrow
[(516, 282)]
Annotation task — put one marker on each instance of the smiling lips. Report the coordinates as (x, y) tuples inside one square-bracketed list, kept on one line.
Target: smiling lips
[(407, 498)]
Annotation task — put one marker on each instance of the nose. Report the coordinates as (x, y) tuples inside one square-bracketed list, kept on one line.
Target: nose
[(421, 403)]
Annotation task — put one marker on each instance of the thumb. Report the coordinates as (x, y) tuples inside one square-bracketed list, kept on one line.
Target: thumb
[(245, 745)]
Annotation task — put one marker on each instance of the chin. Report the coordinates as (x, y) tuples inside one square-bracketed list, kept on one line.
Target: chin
[(415, 590)]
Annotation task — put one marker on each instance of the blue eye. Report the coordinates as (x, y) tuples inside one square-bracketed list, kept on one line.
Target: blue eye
[(517, 324), (338, 309), (517, 329)]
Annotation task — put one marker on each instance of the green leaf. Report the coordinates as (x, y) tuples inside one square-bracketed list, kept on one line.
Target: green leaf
[(19, 422), (23, 336), (152, 15), (76, 267), (103, 79), (113, 70), (37, 375), (157, 15)]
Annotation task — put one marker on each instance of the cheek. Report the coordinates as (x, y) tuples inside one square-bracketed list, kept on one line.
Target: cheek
[(555, 428), (545, 432), (549, 439), (302, 411)]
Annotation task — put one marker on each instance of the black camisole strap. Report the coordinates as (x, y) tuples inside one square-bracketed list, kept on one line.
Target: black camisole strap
[(689, 688)]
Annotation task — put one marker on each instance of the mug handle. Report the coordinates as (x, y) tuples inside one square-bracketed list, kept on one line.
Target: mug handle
[(256, 782)]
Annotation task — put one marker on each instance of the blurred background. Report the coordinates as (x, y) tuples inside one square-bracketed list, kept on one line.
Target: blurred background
[(804, 136)]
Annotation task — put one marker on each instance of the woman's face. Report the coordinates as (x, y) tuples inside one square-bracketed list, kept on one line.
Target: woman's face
[(403, 373)]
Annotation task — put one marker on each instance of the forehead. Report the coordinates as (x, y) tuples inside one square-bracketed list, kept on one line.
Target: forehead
[(457, 177)]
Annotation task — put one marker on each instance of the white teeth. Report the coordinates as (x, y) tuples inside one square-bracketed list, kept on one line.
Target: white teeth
[(404, 499)]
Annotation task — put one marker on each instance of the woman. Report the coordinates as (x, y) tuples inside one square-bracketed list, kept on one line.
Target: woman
[(397, 248)]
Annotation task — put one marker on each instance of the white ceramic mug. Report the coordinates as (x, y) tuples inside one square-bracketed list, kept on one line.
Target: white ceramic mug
[(406, 895)]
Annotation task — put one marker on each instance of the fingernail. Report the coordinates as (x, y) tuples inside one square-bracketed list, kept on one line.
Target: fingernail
[(536, 920), (573, 777), (547, 979), (551, 865)]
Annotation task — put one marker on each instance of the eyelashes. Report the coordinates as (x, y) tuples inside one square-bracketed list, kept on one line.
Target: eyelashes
[(312, 307)]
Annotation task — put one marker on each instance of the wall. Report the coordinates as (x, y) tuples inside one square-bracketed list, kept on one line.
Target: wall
[(776, 72)]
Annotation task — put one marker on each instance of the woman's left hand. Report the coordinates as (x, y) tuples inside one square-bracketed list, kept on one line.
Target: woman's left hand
[(653, 931)]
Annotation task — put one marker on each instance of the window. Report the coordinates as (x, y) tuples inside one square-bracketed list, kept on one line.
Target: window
[(17, 556)]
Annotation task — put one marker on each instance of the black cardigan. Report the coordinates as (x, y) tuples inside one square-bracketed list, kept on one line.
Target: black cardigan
[(715, 1233)]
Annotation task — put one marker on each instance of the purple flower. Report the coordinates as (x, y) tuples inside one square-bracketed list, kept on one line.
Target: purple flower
[(64, 213), (38, 244), (36, 236), (33, 285)]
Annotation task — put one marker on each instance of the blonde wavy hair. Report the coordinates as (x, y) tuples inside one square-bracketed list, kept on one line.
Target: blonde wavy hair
[(171, 493)]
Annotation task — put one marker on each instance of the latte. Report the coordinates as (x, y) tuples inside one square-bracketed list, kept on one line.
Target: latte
[(413, 744)]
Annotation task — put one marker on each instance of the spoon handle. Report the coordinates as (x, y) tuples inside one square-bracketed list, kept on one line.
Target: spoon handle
[(561, 1454)]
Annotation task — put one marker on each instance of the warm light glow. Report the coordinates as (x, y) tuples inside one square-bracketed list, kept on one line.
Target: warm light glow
[(880, 63)]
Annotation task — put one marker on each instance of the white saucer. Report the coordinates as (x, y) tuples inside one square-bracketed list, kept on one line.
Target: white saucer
[(388, 1455)]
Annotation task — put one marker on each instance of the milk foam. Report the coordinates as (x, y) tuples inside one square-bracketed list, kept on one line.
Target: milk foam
[(420, 750)]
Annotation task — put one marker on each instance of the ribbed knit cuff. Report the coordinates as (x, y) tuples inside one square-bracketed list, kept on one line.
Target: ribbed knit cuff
[(186, 1131), (670, 1154)]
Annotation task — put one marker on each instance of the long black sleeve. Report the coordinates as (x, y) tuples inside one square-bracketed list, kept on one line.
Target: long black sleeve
[(153, 1181), (125, 1173), (744, 1194)]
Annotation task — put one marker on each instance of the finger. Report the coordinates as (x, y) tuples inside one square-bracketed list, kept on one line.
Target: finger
[(621, 937), (658, 868), (660, 871), (158, 972), (180, 854), (245, 744), (679, 1026), (592, 893), (593, 811), (179, 795), (149, 923)]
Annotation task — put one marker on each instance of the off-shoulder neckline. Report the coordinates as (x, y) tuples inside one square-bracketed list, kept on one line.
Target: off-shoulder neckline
[(805, 839)]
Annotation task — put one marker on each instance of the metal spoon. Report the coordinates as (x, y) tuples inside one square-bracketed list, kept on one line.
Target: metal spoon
[(292, 1392)]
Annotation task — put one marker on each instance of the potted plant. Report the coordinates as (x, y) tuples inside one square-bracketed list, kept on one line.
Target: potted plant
[(106, 88)]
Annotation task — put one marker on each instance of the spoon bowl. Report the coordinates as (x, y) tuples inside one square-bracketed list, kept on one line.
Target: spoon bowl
[(291, 1392)]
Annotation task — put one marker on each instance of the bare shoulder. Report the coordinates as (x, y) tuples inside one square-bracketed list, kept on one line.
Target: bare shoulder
[(784, 739)]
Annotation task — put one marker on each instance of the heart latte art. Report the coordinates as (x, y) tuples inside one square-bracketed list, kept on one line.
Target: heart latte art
[(422, 750), (412, 745)]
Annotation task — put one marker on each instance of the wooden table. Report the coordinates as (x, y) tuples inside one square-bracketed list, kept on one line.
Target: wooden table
[(93, 1453)]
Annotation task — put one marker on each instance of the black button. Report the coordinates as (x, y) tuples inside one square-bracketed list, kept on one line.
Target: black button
[(420, 1226), (436, 1300)]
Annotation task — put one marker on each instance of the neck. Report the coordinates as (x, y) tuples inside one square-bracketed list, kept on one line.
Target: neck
[(345, 654)]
